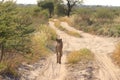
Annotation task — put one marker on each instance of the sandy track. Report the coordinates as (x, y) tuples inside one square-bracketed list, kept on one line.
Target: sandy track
[(101, 46), (50, 70), (53, 71)]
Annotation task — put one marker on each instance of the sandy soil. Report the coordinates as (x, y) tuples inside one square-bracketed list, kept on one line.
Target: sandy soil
[(101, 46)]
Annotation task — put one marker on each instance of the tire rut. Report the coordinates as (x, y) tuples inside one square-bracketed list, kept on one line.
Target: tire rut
[(101, 46)]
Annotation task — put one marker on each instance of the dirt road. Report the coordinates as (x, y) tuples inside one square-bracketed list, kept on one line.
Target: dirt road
[(101, 46)]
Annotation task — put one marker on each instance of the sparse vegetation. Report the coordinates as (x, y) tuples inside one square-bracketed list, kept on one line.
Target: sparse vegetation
[(72, 33), (42, 39), (80, 55), (19, 38), (97, 21), (25, 37), (116, 55), (69, 20)]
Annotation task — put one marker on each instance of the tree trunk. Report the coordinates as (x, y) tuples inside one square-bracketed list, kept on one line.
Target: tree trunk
[(68, 12), (2, 52), (50, 13), (69, 8)]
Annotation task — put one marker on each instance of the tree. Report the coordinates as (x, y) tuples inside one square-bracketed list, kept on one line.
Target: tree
[(71, 4), (46, 4), (14, 29), (60, 10)]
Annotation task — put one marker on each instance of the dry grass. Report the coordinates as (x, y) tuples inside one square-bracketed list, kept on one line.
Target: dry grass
[(72, 33), (57, 23), (39, 41), (69, 20), (9, 66), (81, 55), (116, 54), (50, 19)]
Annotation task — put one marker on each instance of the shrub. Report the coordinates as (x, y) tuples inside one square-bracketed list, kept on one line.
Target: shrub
[(115, 31), (98, 20), (41, 39), (18, 23), (44, 12), (104, 15), (2, 66), (57, 23), (85, 14), (116, 54), (10, 72), (69, 20), (60, 10), (81, 55)]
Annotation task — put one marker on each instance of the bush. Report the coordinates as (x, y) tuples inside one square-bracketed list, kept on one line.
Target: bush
[(10, 72), (98, 20), (116, 54), (81, 55), (45, 13), (60, 10), (41, 40), (104, 15), (69, 20), (2, 66), (17, 26), (115, 31)]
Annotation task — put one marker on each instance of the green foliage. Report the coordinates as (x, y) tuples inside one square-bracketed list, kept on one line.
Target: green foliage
[(115, 31), (17, 24), (104, 14), (44, 12), (47, 5), (2, 66), (85, 16), (14, 28), (60, 10)]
